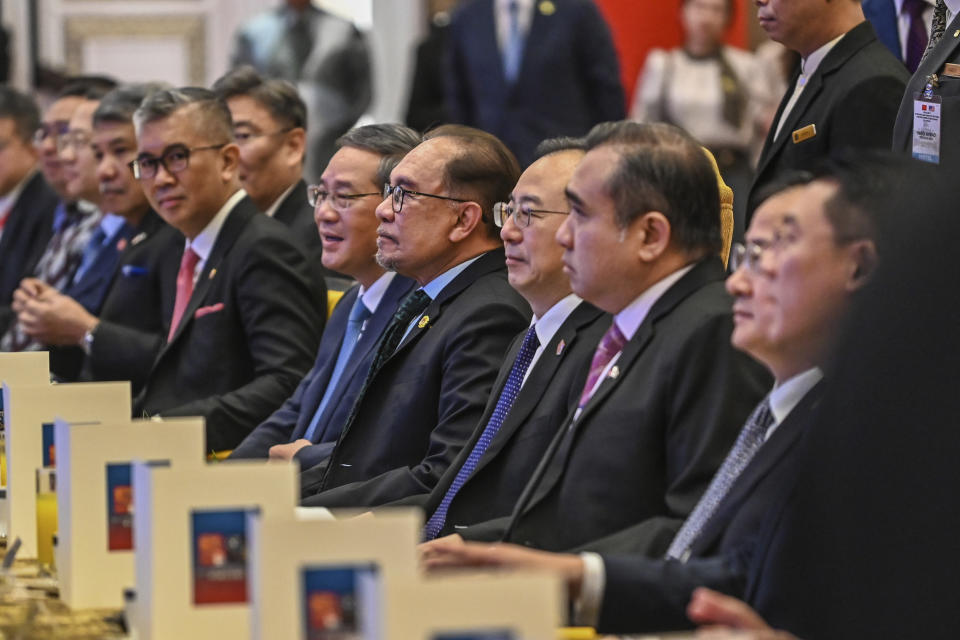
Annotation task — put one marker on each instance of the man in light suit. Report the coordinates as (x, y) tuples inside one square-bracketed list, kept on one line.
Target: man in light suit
[(526, 71), (844, 95), (808, 251), (308, 424), (245, 321), (325, 56), (431, 376), (540, 380), (666, 393), (942, 61)]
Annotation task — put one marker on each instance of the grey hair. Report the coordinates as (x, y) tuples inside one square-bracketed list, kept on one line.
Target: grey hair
[(120, 104), (212, 117), (392, 141)]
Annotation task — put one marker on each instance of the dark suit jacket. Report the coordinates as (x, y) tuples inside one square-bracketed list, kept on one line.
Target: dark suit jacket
[(91, 289), (25, 235), (424, 403), (882, 14), (851, 99), (132, 307), (248, 335), (650, 439), (948, 51), (644, 594), (551, 390), (569, 78), (291, 421)]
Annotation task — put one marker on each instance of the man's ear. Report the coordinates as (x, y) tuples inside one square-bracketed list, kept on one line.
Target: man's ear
[(296, 145), (469, 216), (864, 262), (654, 233), (229, 157)]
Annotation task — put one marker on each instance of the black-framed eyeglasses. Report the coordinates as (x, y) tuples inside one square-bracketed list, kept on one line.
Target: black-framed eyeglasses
[(51, 129), (398, 192), (174, 159), (244, 137), (316, 195), (521, 214), (748, 255)]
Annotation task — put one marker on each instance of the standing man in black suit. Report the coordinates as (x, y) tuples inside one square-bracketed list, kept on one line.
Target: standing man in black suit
[(844, 95), (666, 393), (308, 424), (940, 70), (527, 70), (246, 318), (437, 361), (793, 283), (270, 126)]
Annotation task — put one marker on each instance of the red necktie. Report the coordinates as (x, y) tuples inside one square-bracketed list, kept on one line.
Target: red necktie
[(188, 264), (610, 345), (4, 216)]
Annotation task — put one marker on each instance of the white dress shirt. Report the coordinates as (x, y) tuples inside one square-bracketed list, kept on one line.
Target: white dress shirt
[(808, 67), (547, 327), (203, 243), (953, 8), (272, 209)]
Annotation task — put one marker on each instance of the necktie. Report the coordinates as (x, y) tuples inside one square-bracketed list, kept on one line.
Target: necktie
[(746, 446), (188, 265), (610, 345), (937, 28), (90, 252), (301, 41), (513, 47), (916, 34), (507, 397), (358, 315)]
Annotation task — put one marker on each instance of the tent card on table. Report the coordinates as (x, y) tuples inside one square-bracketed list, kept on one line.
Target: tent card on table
[(190, 544), (29, 413), (95, 499)]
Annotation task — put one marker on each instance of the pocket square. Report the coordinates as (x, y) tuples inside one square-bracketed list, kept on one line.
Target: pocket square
[(130, 271), (205, 311)]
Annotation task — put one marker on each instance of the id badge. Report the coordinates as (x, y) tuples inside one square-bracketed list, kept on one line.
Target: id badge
[(926, 127)]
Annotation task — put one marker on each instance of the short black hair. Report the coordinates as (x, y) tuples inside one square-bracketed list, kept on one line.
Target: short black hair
[(22, 109), (556, 145), (277, 96), (392, 141), (89, 87), (662, 168), (213, 114), (120, 104)]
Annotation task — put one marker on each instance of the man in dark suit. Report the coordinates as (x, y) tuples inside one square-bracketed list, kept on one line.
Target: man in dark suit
[(526, 71), (793, 282), (119, 339), (433, 370), (246, 319), (666, 392), (903, 26), (941, 61), (844, 95), (545, 367), (270, 126), (308, 424)]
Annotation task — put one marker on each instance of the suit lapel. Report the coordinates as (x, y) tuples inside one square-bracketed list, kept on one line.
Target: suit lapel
[(293, 204)]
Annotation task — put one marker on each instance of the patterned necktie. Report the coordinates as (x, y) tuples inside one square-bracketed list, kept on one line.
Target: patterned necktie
[(358, 315), (937, 28), (916, 34), (513, 47), (507, 397), (746, 446), (188, 266), (610, 345)]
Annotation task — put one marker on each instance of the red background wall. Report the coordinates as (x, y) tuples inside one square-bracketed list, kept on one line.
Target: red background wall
[(640, 25)]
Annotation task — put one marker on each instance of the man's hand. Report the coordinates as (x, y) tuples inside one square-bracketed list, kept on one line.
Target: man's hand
[(288, 450), (452, 552), (728, 618), (53, 318), (29, 289)]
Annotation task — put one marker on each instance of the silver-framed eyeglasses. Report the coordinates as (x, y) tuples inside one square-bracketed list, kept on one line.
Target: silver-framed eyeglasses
[(174, 159), (316, 195), (748, 254), (397, 193), (51, 130), (521, 214)]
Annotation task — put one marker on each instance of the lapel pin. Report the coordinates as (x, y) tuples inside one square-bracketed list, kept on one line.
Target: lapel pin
[(140, 237), (956, 34), (121, 244), (615, 372), (424, 321), (213, 272), (547, 8), (561, 346)]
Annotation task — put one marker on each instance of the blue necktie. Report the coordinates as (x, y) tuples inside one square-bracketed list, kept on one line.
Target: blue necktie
[(507, 397), (746, 446), (513, 47), (358, 315), (90, 252)]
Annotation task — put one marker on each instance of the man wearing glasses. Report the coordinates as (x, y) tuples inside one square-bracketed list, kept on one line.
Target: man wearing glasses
[(246, 316), (270, 127), (433, 369), (308, 424)]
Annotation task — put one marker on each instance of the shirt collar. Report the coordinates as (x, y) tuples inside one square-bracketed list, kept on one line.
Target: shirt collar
[(555, 316), (953, 8), (811, 63), (788, 394), (111, 224), (435, 286), (630, 318), (202, 245), (272, 209), (371, 297)]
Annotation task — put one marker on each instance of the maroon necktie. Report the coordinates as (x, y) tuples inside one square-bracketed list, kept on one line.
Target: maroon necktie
[(610, 345), (916, 34), (188, 264)]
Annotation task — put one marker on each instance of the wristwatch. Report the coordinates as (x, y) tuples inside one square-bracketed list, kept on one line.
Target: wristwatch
[(86, 343)]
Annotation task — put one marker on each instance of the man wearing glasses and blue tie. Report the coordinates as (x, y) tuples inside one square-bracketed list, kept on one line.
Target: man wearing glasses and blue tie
[(431, 374)]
